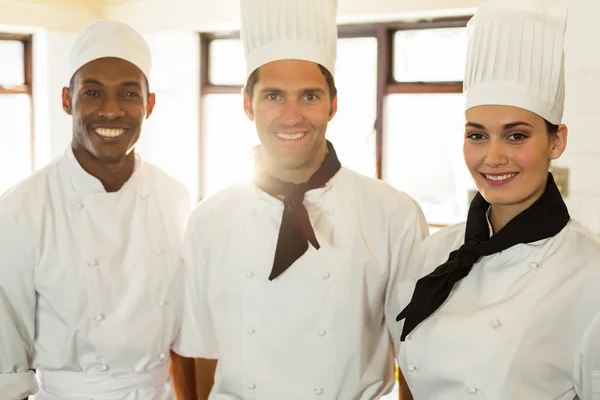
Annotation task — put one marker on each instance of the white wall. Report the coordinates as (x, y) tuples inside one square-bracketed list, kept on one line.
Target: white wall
[(206, 16), (50, 15), (582, 112)]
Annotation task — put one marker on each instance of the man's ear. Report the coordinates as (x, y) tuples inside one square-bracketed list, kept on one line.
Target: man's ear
[(151, 104), (248, 107), (66, 101), (333, 109)]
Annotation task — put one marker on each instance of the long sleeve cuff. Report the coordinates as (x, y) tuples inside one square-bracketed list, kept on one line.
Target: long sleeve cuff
[(17, 386)]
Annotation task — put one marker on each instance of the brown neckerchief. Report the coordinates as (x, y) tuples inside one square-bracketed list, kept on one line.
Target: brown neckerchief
[(296, 230)]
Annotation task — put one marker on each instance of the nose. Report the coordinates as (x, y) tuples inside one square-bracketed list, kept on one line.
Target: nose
[(111, 108), (291, 113), (496, 154)]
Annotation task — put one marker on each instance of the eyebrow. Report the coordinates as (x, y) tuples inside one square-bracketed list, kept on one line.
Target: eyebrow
[(505, 126), (98, 83), (91, 82), (303, 91)]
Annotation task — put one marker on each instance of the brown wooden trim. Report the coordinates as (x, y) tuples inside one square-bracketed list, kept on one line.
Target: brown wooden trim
[(398, 88), (204, 70), (384, 68), (220, 89), (28, 63), (210, 36), (425, 23), (351, 31), (204, 61), (18, 89), (15, 36)]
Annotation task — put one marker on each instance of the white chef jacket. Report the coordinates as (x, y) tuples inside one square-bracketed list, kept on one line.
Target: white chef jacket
[(90, 284), (523, 325), (319, 330)]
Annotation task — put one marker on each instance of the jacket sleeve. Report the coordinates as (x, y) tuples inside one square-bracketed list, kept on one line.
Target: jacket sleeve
[(587, 366), (196, 338), (17, 313), (408, 229)]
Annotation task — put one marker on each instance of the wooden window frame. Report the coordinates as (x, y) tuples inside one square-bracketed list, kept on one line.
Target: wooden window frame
[(27, 86), (386, 84)]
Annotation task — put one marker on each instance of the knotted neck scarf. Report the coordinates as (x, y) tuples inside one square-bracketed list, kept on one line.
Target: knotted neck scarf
[(296, 230), (543, 219)]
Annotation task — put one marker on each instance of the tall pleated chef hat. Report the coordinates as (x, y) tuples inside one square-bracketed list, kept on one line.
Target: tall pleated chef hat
[(515, 57), (274, 30), (106, 38)]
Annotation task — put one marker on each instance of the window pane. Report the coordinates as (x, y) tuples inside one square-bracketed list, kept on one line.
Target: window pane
[(430, 55), (352, 130), (15, 139), (12, 68), (423, 153), (227, 63), (228, 142)]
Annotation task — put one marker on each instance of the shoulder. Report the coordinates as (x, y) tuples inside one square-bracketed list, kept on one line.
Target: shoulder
[(377, 192), (166, 186), (224, 203), (30, 192)]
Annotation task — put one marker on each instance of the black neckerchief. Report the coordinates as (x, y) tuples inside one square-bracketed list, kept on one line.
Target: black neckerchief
[(543, 219)]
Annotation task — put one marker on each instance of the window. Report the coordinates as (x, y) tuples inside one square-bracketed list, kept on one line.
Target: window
[(352, 130), (400, 112), (419, 54), (16, 128), (423, 123), (423, 152)]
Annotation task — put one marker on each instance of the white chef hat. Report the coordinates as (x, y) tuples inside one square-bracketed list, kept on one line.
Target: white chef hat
[(274, 30), (106, 38), (515, 57)]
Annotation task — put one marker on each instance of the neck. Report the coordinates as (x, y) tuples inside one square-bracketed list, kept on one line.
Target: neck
[(296, 175), (502, 214), (112, 175)]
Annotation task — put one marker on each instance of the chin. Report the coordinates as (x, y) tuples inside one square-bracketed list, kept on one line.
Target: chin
[(109, 156), (505, 197)]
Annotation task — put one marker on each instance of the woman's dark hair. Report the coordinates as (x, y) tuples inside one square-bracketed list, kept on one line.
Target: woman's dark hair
[(551, 128)]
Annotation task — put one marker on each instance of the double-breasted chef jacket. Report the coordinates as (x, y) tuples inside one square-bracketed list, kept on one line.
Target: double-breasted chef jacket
[(319, 330), (524, 324), (90, 284)]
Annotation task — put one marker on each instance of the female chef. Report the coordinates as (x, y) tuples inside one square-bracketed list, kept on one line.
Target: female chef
[(508, 304)]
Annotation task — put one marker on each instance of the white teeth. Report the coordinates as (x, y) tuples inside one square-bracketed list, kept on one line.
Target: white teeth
[(109, 132), (290, 136), (499, 177)]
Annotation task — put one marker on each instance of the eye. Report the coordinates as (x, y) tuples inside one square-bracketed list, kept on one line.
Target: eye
[(517, 137), (132, 94), (91, 93), (475, 136), (311, 97), (273, 96)]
